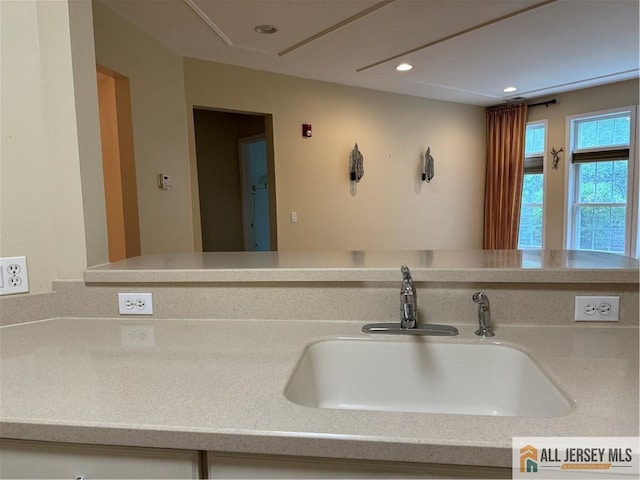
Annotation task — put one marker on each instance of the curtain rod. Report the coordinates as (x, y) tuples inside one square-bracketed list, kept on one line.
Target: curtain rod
[(546, 104)]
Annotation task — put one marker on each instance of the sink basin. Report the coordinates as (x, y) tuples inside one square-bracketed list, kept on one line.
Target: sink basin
[(418, 376)]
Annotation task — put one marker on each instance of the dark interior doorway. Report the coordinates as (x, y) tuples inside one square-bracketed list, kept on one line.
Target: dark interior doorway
[(220, 137)]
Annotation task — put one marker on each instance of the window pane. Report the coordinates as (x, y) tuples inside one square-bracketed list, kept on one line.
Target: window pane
[(601, 228), (525, 215), (524, 236), (602, 217), (530, 233), (618, 217), (585, 239), (601, 239), (617, 240), (536, 238), (603, 132), (585, 217), (587, 182), (602, 182), (622, 131), (620, 170), (532, 191), (534, 140)]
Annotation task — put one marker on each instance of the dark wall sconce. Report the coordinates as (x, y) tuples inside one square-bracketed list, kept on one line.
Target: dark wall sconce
[(356, 165), (427, 166)]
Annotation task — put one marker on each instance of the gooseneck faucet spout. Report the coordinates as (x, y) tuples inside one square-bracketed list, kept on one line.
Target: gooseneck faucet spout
[(484, 315), (408, 301), (409, 315)]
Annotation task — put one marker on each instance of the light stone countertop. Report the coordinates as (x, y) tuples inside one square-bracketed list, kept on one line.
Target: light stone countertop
[(548, 266), (218, 385)]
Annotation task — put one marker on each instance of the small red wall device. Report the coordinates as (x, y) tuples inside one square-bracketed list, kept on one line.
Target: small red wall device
[(306, 129)]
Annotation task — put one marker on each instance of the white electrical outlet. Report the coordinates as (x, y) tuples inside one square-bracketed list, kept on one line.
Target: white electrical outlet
[(14, 277), (135, 303), (597, 309)]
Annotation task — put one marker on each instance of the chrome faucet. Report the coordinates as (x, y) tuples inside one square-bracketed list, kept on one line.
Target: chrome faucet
[(408, 301), (484, 314), (409, 315)]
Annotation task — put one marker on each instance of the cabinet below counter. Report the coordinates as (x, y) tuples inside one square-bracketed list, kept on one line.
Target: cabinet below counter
[(21, 459), (233, 466), (29, 460)]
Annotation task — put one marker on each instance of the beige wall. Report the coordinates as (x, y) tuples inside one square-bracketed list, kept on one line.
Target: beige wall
[(159, 128), (88, 128), (390, 208), (589, 100), (46, 127)]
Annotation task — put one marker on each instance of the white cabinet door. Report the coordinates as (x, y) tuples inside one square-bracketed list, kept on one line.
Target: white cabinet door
[(234, 466), (23, 459)]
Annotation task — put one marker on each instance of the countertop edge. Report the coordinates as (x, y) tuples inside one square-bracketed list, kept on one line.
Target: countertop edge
[(521, 266), (262, 443), (372, 275)]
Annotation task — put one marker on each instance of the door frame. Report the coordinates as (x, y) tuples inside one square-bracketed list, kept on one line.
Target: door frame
[(118, 164)]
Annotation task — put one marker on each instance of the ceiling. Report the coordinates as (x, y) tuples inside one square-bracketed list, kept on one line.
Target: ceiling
[(461, 50)]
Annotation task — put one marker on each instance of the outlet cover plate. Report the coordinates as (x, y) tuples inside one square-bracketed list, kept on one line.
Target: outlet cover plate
[(135, 303), (597, 309), (14, 277)]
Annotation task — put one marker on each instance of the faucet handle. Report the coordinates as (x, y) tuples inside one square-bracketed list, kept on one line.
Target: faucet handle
[(484, 315)]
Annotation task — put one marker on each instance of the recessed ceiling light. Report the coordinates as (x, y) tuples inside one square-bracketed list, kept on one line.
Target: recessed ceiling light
[(404, 67), (509, 89), (266, 29)]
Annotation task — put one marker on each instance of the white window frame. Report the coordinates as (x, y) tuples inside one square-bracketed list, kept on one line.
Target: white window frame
[(545, 124), (633, 214)]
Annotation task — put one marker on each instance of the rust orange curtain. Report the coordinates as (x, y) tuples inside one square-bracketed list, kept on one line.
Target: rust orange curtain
[(506, 126)]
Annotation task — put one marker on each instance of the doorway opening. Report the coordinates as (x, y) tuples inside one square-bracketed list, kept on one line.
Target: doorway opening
[(236, 181), (118, 165), (255, 192)]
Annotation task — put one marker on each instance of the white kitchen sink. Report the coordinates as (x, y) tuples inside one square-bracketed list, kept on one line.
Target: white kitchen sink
[(426, 377)]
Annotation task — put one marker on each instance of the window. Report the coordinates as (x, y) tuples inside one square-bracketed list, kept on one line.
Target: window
[(530, 233), (601, 189)]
